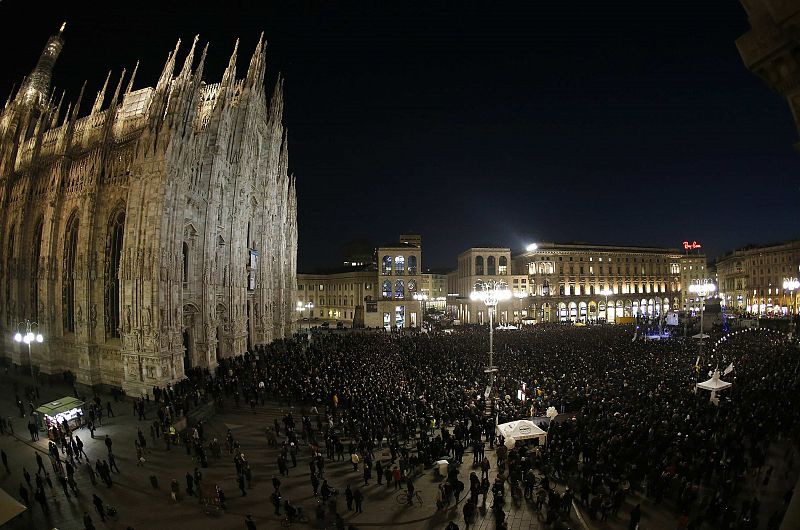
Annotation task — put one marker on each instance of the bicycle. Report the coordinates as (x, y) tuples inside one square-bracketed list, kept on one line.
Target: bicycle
[(404, 497), (299, 517)]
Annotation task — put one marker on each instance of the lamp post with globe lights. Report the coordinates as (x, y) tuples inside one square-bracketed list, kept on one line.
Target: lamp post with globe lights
[(791, 285), (607, 293), (28, 338), (702, 289), (490, 292), (422, 298)]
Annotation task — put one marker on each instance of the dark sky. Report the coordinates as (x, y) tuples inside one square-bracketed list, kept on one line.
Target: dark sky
[(610, 122)]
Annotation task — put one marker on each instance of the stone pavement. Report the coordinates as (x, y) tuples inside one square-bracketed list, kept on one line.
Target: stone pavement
[(142, 507)]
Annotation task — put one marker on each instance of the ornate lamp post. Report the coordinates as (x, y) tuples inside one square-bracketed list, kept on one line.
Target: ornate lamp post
[(490, 292), (607, 293), (309, 306), (702, 289), (28, 338), (422, 298), (791, 285)]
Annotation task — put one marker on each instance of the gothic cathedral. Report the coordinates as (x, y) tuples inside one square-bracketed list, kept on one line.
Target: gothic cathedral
[(155, 234)]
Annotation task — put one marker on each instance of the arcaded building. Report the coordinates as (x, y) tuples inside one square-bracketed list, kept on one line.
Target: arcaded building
[(150, 230), (563, 282)]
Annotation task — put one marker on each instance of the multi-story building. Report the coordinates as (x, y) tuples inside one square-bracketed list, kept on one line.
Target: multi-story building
[(485, 264), (575, 282), (694, 269), (369, 296), (751, 279), (138, 235), (434, 287)]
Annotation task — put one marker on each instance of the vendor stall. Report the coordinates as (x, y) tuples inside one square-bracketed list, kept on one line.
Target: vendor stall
[(520, 430), (56, 413)]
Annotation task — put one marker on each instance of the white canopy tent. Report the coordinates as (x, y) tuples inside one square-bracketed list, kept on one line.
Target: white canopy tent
[(715, 384), (701, 336), (520, 430)]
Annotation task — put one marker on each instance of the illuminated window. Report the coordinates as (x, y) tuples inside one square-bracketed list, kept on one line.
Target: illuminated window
[(502, 267)]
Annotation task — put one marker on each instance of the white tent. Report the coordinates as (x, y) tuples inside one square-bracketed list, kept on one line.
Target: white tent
[(520, 430), (715, 384), (701, 336)]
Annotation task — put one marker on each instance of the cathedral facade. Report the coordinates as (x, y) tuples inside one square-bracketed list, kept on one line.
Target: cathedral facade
[(155, 233)]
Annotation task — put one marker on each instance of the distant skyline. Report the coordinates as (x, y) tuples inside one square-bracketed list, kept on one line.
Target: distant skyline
[(613, 123)]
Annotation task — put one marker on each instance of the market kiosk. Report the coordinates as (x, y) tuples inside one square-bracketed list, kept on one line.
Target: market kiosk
[(55, 413)]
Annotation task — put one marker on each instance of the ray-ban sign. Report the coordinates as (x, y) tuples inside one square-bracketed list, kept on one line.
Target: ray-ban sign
[(691, 246)]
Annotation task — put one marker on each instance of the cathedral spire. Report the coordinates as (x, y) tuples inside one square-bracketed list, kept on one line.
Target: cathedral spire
[(133, 76), (169, 67), (187, 63), (230, 72), (255, 72), (77, 106), (115, 97), (35, 88), (101, 95), (57, 113), (10, 96)]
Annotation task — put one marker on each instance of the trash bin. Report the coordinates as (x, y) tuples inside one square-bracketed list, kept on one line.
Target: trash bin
[(154, 482)]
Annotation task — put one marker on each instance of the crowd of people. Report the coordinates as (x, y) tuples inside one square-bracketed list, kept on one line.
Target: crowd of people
[(634, 422), (630, 420)]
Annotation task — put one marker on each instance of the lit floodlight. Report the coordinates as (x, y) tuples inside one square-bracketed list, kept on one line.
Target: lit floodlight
[(531, 247), (606, 292), (702, 288), (18, 337), (791, 284), (39, 337)]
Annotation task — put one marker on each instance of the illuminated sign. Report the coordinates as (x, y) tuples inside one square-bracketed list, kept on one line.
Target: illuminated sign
[(691, 246)]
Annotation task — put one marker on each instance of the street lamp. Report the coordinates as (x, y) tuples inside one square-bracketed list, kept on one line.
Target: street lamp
[(28, 338), (606, 293), (490, 292), (791, 285), (702, 289), (422, 298)]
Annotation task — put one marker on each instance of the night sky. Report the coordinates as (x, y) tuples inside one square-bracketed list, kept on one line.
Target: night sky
[(606, 122)]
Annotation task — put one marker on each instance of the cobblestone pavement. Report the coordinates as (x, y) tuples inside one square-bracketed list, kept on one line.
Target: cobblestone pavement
[(143, 507)]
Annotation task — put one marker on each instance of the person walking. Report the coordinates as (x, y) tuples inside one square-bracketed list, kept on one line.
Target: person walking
[(636, 516), (189, 484), (23, 494), (108, 443), (249, 523), (358, 497), (348, 497), (87, 522), (98, 504)]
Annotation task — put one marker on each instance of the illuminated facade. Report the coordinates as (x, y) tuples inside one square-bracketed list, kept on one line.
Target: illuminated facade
[(564, 282), (155, 234), (751, 279), (383, 295)]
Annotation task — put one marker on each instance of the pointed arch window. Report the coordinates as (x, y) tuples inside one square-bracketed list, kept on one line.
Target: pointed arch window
[(68, 281), (36, 253), (116, 233)]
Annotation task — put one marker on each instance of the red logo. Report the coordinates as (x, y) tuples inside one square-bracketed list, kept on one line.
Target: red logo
[(691, 246)]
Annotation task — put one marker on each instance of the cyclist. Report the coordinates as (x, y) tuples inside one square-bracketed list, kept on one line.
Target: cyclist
[(410, 488)]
